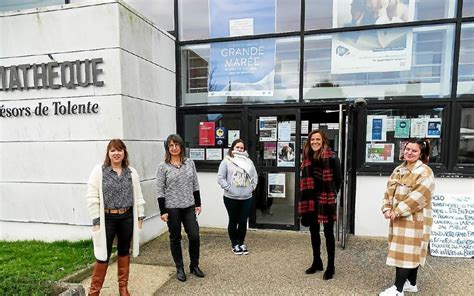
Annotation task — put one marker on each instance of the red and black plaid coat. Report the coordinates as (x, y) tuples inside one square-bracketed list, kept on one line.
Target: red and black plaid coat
[(319, 184)]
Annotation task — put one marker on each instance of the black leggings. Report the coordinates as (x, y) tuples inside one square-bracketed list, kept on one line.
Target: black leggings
[(239, 212), (120, 225), (404, 274), (316, 240)]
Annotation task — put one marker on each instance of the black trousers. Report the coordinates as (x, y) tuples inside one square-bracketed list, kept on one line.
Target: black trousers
[(120, 225), (239, 212), (187, 217), (403, 274), (316, 240)]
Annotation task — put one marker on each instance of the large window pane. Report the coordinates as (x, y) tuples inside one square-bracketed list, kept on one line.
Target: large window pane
[(379, 63), (466, 60), (388, 130), (7, 5), (468, 8), (280, 84), (324, 14), (208, 136), (466, 136), (194, 17)]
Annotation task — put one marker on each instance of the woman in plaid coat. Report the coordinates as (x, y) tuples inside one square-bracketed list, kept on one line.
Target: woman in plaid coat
[(407, 203), (319, 184)]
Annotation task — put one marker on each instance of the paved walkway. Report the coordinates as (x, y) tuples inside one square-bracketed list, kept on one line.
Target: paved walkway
[(276, 264)]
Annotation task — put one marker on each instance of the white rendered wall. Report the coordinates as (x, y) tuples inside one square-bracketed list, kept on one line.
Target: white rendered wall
[(45, 161), (369, 220), (213, 212)]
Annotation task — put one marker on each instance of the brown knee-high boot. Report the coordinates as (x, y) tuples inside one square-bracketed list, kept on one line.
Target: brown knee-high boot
[(123, 270), (98, 276)]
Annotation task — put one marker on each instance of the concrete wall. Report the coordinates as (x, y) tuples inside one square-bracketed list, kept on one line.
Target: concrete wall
[(369, 220), (46, 160)]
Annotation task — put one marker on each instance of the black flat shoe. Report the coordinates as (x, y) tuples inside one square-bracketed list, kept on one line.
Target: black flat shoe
[(197, 271), (180, 275)]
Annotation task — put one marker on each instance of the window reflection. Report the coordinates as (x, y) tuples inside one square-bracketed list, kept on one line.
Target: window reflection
[(195, 75), (412, 62), (8, 5), (324, 14), (468, 8), (194, 17), (466, 138), (466, 60)]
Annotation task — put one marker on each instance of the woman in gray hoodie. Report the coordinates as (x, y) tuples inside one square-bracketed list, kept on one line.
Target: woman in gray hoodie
[(238, 177)]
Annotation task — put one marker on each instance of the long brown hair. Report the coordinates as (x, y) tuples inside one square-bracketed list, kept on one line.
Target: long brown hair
[(175, 138), (119, 145), (308, 152)]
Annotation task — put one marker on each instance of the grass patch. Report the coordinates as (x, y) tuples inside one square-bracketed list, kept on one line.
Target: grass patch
[(31, 267)]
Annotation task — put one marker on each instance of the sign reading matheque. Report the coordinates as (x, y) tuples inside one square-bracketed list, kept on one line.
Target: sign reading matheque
[(52, 75)]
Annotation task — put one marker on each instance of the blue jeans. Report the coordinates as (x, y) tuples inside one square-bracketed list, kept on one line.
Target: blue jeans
[(239, 212)]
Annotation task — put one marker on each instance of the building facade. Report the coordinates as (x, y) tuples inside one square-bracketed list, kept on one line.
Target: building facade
[(369, 73)]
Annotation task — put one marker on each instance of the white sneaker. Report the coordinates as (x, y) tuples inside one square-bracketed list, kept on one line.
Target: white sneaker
[(407, 287), (237, 250), (244, 249), (392, 291)]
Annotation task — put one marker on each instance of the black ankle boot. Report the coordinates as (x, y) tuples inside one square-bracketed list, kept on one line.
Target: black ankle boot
[(316, 266), (329, 273), (180, 275), (196, 270)]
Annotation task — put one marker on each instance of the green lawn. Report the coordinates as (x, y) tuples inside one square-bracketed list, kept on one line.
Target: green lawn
[(31, 267)]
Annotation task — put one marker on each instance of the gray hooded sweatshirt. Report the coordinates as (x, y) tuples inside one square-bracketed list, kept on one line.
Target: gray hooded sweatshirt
[(237, 176)]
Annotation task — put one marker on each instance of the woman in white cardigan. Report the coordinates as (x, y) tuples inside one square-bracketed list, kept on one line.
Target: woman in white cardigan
[(116, 206)]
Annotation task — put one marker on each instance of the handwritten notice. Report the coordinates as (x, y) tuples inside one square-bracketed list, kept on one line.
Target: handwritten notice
[(452, 234)]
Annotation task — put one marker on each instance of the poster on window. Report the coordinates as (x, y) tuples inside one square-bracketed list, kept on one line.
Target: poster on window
[(378, 50), (379, 153), (232, 136), (433, 128), (267, 127), (213, 154), (286, 154), (376, 128), (452, 232), (284, 131), (276, 185), (206, 133), (196, 153), (220, 136), (269, 150), (418, 127), (247, 67), (402, 128)]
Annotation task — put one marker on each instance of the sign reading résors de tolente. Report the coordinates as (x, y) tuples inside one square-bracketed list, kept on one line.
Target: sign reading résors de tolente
[(52, 75)]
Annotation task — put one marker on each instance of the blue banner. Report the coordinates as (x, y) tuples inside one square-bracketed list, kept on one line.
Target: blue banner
[(241, 68)]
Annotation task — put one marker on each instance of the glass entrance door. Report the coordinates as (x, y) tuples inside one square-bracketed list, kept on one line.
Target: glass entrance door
[(274, 144)]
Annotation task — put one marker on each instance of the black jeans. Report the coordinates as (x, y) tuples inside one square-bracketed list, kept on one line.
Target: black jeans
[(403, 274), (187, 217), (316, 240), (120, 225), (239, 212)]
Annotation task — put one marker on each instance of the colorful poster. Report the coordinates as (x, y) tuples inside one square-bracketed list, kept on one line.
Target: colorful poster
[(286, 154), (401, 149), (452, 232), (402, 128), (378, 50), (376, 128), (232, 136), (269, 150), (247, 67), (379, 153), (418, 127), (206, 133), (276, 185), (196, 153), (433, 128), (267, 128), (220, 136)]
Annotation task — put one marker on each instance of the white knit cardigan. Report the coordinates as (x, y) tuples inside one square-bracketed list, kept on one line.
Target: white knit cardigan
[(95, 204)]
